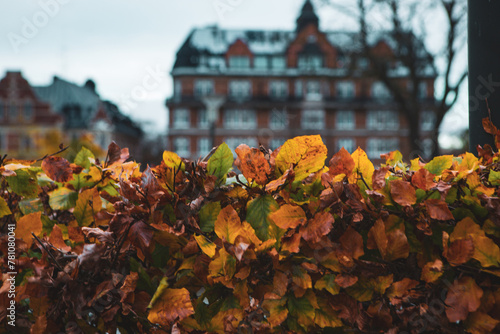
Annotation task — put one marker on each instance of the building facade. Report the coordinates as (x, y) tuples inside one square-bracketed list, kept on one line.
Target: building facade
[(263, 87), (25, 120)]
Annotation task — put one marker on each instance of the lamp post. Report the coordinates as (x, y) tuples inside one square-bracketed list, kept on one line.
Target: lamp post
[(484, 68), (212, 105)]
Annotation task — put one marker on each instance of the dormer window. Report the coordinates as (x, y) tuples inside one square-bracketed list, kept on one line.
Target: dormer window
[(261, 63), (239, 62), (278, 63), (310, 62), (203, 87)]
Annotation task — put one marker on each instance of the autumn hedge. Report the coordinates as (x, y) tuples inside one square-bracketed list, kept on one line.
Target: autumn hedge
[(289, 246)]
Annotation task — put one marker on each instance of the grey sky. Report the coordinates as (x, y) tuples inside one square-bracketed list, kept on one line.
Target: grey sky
[(119, 42)]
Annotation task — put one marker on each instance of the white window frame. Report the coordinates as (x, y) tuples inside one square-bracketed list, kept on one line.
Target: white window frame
[(346, 89), (239, 62), (278, 119), (278, 63), (203, 121), (310, 62), (427, 120), (240, 119), (380, 91), (345, 120), (182, 118), (203, 87), (261, 62), (313, 90), (182, 146), (313, 120), (348, 143), (203, 146), (278, 89), (382, 120), (377, 146), (240, 88)]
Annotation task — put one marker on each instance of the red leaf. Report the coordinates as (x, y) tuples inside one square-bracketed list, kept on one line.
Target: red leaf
[(341, 163), (116, 155), (423, 179), (403, 193), (438, 209)]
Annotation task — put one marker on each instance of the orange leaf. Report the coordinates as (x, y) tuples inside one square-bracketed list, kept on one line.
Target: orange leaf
[(341, 163), (438, 209), (400, 290), (480, 323), (403, 193), (423, 179), (228, 224), (465, 228), (352, 243), (28, 224), (253, 164), (459, 251), (463, 297), (317, 227), (378, 178), (56, 239), (486, 251), (58, 169), (173, 305), (288, 216)]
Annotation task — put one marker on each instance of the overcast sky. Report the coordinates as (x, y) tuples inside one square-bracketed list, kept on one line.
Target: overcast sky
[(118, 43)]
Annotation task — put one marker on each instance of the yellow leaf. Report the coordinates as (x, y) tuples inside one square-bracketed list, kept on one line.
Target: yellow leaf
[(307, 154), (228, 224), (172, 160), (439, 164), (173, 305), (88, 204), (206, 245), (28, 224), (223, 266), (288, 216), (465, 228), (363, 167), (486, 251), (277, 311)]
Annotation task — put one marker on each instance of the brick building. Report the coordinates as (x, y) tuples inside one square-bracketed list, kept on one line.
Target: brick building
[(25, 120), (263, 87)]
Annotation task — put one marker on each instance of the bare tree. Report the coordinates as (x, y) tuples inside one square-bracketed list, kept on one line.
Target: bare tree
[(407, 25)]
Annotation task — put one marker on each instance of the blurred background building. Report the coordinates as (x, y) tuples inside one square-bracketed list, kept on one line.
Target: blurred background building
[(263, 87)]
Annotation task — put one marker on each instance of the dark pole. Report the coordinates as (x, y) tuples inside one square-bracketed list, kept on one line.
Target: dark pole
[(484, 69)]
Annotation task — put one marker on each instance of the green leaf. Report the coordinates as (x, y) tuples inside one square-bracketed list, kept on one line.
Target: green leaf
[(439, 164), (327, 282), (258, 211), (62, 199), (494, 178), (4, 208), (208, 215), (81, 181), (302, 308), (24, 184), (220, 163), (159, 291), (160, 256), (82, 158)]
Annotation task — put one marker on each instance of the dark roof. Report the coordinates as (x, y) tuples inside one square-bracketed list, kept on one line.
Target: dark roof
[(307, 17)]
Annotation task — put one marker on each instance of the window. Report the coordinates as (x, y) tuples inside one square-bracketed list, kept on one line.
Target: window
[(203, 146), (278, 63), (313, 119), (28, 111), (25, 143), (182, 147), (298, 88), (239, 62), (278, 120), (278, 89), (363, 63), (382, 120), (261, 63), (203, 122), (234, 142), (378, 146), (345, 120), (422, 90), (177, 88), (240, 88), (240, 119), (203, 87), (274, 143), (2, 111), (380, 91), (182, 119), (427, 120), (310, 62), (346, 89), (348, 143), (13, 111), (313, 91)]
